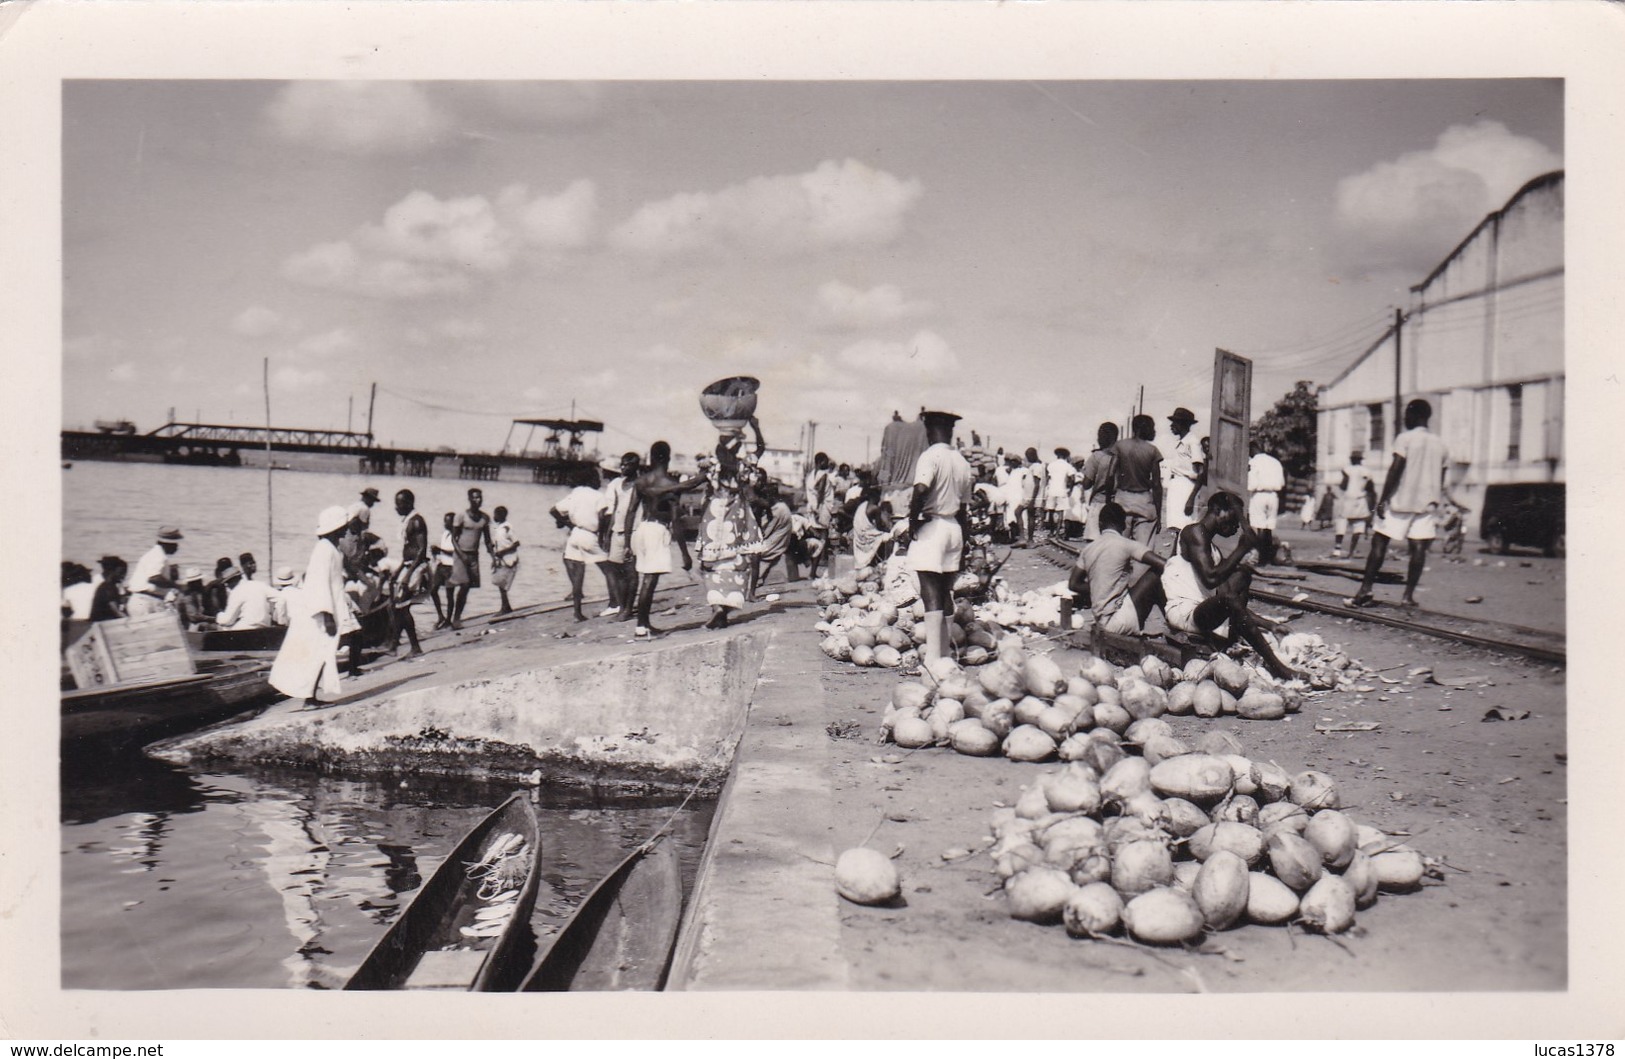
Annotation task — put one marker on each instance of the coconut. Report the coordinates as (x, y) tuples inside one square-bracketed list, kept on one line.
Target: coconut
[(1097, 671), (1361, 875), (1240, 808), (1128, 673), (1125, 779), (1002, 681), (1106, 735), (1080, 688), (1243, 770), (1163, 916), (974, 698), (863, 655), (1029, 708), (1272, 781), (1269, 900), (1157, 672), (1332, 834), (1073, 830), (1100, 755), (1185, 873), (1073, 791), (1160, 748), (1197, 670), (866, 877), (954, 686), (1092, 910), (1073, 748), (1074, 705), (1182, 699), (1142, 730), (1314, 790), (1141, 866), (888, 656), (944, 715), (1328, 907), (1255, 705), (1039, 894), (1033, 803), (1141, 699), (1018, 858), (1112, 716), (999, 717), (1146, 806), (1282, 815), (975, 655), (1207, 700), (1220, 742), (1028, 743), (1092, 866), (912, 733), (888, 723), (911, 693), (1371, 839), (970, 737), (1227, 703), (1294, 861), (1200, 778), (1229, 675), (1055, 722), (1184, 818), (1398, 870), (1043, 677), (861, 637), (1221, 889), (1108, 694), (1243, 840)]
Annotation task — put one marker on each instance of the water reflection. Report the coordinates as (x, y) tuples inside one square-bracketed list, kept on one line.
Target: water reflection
[(286, 879)]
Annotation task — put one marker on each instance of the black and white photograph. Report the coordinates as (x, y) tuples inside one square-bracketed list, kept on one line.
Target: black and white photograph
[(1007, 532)]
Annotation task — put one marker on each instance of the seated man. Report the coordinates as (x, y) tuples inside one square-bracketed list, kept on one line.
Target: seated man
[(1100, 579), (249, 604), (1206, 594)]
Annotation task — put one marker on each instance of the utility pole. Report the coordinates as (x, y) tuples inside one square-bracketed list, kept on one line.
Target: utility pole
[(349, 417), (1399, 326), (370, 402)]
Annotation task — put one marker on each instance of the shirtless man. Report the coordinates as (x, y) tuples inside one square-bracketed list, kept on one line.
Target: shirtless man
[(468, 530), (1137, 482), (656, 509), (1207, 595), (411, 575)]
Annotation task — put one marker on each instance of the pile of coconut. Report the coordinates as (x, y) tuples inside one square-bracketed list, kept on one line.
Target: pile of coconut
[(1025, 706), (1168, 846), (1038, 608), (868, 629), (1326, 665)]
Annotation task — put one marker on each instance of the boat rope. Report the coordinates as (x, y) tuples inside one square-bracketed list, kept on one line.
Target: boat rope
[(649, 842)]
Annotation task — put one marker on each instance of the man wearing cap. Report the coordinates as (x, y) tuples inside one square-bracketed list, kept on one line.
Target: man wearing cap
[(1184, 467), (320, 614), (1137, 478), (249, 604), (362, 509), (153, 576), (938, 515)]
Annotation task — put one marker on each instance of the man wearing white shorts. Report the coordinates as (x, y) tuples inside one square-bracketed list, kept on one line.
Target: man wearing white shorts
[(937, 517), (1411, 494), (1183, 467), (1265, 480), (1356, 496), (583, 511), (656, 509), (1100, 578)]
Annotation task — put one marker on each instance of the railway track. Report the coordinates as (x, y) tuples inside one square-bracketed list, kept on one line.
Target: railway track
[(1537, 644)]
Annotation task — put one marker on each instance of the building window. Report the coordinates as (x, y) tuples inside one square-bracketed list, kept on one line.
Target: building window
[(1514, 421), (1379, 433)]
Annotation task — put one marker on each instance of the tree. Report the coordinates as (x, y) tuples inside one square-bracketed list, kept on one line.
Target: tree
[(1288, 430)]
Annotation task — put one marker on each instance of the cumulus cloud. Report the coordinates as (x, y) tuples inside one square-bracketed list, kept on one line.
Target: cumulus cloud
[(846, 307), (429, 246), (927, 353), (365, 118), (1411, 210), (257, 321), (839, 204)]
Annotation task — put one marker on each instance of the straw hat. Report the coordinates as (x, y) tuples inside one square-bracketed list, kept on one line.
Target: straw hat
[(331, 518), (284, 577), (169, 534)]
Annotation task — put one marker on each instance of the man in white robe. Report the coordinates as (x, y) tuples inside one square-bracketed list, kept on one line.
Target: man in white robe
[(318, 614)]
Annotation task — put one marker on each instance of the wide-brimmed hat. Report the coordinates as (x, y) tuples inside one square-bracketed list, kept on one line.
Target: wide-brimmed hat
[(284, 577), (611, 467), (230, 573), (369, 493), (169, 534), (331, 518), (1182, 415), (190, 574)]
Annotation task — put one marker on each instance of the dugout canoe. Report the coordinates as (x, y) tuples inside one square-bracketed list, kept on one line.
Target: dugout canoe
[(621, 937), (120, 716), (426, 947)]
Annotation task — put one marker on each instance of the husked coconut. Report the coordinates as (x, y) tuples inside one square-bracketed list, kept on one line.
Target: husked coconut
[(1146, 806), (1227, 703), (1243, 770), (866, 877), (1371, 839), (1146, 727), (1141, 698), (1220, 742), (1080, 688), (999, 717), (1332, 834), (1199, 778), (1074, 830), (1018, 858), (1315, 790), (1098, 671), (944, 715), (1092, 911), (863, 655), (1010, 649), (971, 738), (1182, 699), (1029, 708), (1043, 677), (1002, 680), (1055, 722), (1361, 875), (1039, 894), (1119, 831), (1073, 791), (1328, 907), (888, 657), (1282, 815), (1112, 716), (1101, 755), (1141, 866), (1185, 873), (975, 700), (975, 655), (1028, 743), (1269, 900), (1157, 671), (1092, 866), (1197, 670), (1073, 747), (1124, 780), (1160, 748), (1244, 841), (1293, 860), (1163, 916), (911, 733), (1398, 870), (1272, 782), (1184, 818), (954, 686), (1128, 673), (1240, 808), (1107, 693), (1229, 674), (1072, 704), (1208, 699), (1255, 705), (1033, 803), (1221, 889)]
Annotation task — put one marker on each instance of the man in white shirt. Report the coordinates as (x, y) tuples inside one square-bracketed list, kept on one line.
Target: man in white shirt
[(1410, 496), (1265, 480), (619, 499), (1356, 493), (1183, 467), (583, 512), (1057, 486), (250, 604), (153, 576), (938, 523)]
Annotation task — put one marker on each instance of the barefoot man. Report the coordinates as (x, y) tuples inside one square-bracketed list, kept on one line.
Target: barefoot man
[(656, 508), (937, 520)]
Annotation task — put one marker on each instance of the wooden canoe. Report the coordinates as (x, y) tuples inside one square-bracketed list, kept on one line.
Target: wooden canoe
[(426, 949), (621, 937), (127, 715)]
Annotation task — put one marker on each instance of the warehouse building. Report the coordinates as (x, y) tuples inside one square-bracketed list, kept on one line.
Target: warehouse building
[(1482, 340)]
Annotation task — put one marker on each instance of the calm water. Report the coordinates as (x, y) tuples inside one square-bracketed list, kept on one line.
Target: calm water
[(284, 879), (117, 508)]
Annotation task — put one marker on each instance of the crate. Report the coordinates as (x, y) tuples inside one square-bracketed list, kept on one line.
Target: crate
[(130, 651)]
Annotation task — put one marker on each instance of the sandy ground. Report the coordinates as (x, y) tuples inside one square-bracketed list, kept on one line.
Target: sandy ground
[(1486, 798)]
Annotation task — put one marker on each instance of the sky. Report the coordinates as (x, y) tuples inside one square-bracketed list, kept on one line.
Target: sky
[(1026, 254)]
